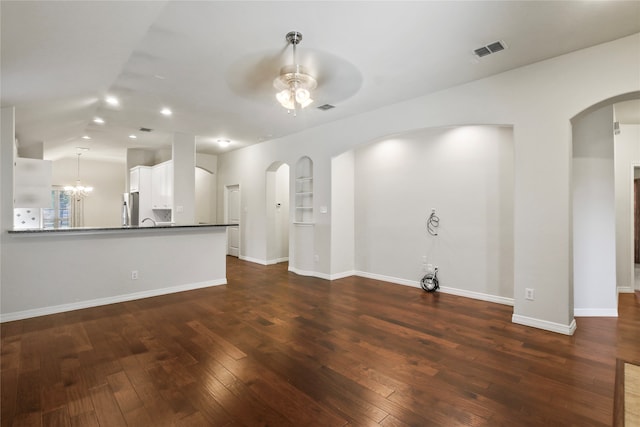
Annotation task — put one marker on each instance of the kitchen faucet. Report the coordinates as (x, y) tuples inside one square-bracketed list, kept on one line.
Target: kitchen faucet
[(150, 219)]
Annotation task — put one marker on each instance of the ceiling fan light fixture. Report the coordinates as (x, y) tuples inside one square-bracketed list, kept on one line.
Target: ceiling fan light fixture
[(294, 84)]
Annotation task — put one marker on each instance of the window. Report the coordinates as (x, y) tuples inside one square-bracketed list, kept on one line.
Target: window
[(59, 214)]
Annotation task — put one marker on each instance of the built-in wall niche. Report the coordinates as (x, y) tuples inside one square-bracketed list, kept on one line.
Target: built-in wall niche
[(304, 191)]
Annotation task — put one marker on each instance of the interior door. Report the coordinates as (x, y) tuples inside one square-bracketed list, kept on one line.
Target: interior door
[(233, 217)]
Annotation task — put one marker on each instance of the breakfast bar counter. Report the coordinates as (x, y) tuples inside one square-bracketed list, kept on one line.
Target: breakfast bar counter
[(49, 271), (125, 229)]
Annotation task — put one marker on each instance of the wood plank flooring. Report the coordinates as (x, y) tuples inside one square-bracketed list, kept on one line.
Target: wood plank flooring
[(273, 348)]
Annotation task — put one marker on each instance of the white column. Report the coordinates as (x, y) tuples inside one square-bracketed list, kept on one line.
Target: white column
[(184, 178), (594, 221), (7, 154)]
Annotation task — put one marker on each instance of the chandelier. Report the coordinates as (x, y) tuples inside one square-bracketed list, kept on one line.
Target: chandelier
[(294, 84), (78, 191)]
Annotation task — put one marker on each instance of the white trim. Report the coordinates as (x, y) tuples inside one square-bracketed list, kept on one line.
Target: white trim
[(595, 312), (277, 260), (309, 273), (390, 279), (626, 290), (254, 260), (444, 289), (342, 275), (477, 295), (36, 312), (543, 324)]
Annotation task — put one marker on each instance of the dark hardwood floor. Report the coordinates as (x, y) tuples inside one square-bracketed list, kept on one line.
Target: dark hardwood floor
[(273, 348)]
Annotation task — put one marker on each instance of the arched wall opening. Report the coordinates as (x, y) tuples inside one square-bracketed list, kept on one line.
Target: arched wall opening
[(465, 173), (277, 212), (604, 155)]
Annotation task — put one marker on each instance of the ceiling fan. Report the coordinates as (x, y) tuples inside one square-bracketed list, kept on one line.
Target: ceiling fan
[(294, 80), (295, 83)]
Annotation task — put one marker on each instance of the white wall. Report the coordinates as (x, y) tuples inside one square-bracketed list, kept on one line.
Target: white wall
[(54, 272), (209, 162), (184, 178), (343, 215), (203, 191), (8, 152), (466, 174), (103, 208), (626, 155), (538, 100), (594, 246)]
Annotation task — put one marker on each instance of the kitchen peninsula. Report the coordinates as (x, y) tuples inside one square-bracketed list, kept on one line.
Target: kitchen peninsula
[(55, 270)]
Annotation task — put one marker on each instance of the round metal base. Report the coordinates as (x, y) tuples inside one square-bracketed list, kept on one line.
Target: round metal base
[(294, 37)]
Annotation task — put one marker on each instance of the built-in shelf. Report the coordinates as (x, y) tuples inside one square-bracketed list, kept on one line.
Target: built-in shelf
[(304, 191)]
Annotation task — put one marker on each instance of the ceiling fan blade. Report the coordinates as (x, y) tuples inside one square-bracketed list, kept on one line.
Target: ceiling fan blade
[(252, 76)]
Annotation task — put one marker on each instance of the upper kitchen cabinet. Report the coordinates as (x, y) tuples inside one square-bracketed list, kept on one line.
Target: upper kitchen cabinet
[(32, 183), (140, 179), (162, 185)]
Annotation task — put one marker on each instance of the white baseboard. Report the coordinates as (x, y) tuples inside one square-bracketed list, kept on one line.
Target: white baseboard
[(301, 272), (309, 273), (277, 261), (543, 324), (444, 289), (342, 275), (390, 279), (626, 290), (254, 260), (595, 312), (26, 314)]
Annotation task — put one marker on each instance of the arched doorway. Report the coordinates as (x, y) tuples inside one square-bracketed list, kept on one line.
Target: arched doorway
[(604, 154)]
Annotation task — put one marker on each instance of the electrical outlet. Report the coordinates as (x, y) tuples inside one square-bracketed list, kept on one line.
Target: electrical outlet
[(134, 275), (529, 294)]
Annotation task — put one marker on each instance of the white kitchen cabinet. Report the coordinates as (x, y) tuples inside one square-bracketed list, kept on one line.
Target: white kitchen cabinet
[(162, 185), (32, 183), (134, 179)]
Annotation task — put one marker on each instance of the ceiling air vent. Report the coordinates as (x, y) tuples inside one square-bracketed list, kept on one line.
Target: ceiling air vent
[(483, 51), (489, 49), (145, 130), (326, 107)]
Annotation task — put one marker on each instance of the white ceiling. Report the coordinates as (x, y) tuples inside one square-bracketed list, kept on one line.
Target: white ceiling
[(213, 62)]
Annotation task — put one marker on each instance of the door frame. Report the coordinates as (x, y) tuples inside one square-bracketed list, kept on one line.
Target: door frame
[(227, 190), (633, 231)]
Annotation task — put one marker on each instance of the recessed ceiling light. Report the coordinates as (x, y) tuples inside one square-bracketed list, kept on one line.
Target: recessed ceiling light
[(112, 100), (86, 137), (132, 136), (166, 112), (98, 120), (223, 142)]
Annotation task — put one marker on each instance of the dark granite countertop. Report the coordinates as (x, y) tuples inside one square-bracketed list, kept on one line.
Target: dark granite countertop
[(107, 229)]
